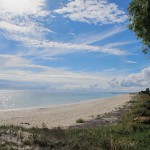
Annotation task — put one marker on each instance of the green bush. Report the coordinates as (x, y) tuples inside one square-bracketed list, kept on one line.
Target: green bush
[(80, 120)]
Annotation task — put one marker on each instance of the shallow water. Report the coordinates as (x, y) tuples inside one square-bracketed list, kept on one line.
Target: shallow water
[(15, 99)]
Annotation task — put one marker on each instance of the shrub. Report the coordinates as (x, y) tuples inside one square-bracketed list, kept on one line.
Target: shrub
[(80, 120), (27, 142)]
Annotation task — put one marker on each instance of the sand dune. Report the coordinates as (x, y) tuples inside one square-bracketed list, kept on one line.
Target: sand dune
[(64, 115)]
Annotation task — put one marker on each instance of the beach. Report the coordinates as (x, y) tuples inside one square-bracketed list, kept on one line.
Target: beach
[(61, 115)]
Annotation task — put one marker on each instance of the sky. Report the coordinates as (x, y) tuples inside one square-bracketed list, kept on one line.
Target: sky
[(70, 45)]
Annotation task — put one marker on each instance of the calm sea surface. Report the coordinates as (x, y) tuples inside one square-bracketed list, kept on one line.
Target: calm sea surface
[(15, 99)]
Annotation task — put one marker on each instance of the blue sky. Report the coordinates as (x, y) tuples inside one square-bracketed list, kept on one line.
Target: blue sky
[(70, 45)]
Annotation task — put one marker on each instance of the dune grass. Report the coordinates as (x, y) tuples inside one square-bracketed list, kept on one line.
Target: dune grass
[(126, 135)]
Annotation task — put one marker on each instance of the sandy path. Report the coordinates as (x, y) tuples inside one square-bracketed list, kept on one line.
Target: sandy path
[(64, 115)]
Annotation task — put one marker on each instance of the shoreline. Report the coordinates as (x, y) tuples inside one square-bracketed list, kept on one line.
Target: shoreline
[(58, 105), (63, 115)]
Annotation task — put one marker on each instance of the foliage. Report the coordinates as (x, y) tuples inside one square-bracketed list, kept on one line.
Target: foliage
[(139, 15), (80, 120)]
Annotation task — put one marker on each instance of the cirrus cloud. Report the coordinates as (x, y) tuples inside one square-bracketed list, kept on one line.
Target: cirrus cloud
[(25, 22)]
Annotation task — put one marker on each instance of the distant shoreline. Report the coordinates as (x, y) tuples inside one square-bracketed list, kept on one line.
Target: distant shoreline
[(14, 100), (61, 115), (59, 105)]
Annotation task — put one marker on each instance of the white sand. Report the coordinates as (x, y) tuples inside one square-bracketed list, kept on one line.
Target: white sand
[(64, 115)]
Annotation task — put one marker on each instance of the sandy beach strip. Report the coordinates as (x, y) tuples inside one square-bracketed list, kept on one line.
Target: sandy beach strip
[(63, 115)]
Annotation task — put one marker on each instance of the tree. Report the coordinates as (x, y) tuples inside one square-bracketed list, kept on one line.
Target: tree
[(139, 16)]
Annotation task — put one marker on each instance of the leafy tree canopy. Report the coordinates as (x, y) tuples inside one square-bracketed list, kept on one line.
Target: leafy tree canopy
[(139, 15)]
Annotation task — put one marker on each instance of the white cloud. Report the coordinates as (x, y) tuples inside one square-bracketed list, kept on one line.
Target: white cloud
[(91, 38), (18, 62), (29, 29), (93, 11), (133, 80), (63, 48), (117, 44), (131, 62), (23, 21), (23, 18), (11, 60), (16, 68), (19, 69), (23, 7), (59, 78)]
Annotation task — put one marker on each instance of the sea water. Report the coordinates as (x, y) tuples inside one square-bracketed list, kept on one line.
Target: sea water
[(16, 99)]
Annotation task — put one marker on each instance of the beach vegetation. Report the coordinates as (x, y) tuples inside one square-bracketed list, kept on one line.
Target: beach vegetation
[(98, 117), (80, 120)]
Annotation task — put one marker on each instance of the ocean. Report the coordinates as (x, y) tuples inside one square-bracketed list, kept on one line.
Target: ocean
[(18, 99)]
